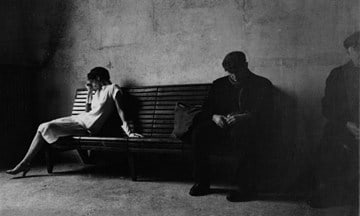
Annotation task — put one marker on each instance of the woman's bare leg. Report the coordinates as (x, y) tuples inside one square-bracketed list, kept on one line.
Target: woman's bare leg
[(37, 143)]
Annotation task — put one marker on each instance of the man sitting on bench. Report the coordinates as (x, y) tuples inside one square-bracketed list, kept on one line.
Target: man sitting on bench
[(232, 116)]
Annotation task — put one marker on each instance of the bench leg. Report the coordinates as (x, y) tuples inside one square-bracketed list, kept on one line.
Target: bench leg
[(48, 159), (84, 156), (131, 160)]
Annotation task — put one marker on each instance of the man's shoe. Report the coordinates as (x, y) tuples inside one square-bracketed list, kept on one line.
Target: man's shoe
[(200, 189), (238, 196)]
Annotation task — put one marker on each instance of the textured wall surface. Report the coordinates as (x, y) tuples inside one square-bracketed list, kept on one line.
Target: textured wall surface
[(293, 43)]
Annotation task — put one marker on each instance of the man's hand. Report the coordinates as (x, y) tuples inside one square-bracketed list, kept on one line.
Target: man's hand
[(353, 129), (234, 118), (219, 120)]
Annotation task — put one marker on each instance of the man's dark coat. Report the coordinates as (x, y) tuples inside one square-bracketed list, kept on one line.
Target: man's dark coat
[(338, 156), (253, 98)]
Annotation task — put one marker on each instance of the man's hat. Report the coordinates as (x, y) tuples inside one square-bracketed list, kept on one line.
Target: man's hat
[(352, 40), (234, 59)]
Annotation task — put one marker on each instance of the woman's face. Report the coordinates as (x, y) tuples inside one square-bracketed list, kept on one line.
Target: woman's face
[(95, 84)]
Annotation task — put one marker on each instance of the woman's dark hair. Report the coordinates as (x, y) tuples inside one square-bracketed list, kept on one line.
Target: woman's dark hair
[(99, 72)]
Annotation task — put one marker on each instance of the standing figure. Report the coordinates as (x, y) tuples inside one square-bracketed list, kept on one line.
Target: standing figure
[(103, 103), (337, 169), (234, 115)]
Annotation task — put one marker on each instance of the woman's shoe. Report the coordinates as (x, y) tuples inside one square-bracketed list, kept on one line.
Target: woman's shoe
[(200, 189), (24, 168)]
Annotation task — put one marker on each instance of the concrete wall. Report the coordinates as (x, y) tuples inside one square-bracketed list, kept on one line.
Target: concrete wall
[(293, 43), (11, 39)]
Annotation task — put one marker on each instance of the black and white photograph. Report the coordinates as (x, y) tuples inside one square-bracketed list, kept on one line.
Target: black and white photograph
[(179, 107)]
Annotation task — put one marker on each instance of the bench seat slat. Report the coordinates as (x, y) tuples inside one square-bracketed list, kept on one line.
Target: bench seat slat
[(147, 111), (171, 126), (146, 98), (163, 121), (79, 108), (167, 130), (147, 103), (153, 121), (95, 138), (104, 148), (81, 96), (81, 104), (184, 88), (152, 139), (156, 135), (157, 125), (163, 117), (183, 93), (144, 94), (173, 103), (146, 146), (139, 89), (76, 112), (165, 112), (145, 116), (179, 97)]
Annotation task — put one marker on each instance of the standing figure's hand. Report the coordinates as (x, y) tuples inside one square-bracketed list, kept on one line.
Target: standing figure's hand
[(353, 129), (219, 120)]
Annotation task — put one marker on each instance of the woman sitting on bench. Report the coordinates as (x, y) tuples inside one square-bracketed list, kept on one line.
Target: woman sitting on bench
[(102, 105)]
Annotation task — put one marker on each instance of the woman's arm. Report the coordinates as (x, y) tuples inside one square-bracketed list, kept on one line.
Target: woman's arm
[(121, 113), (89, 97)]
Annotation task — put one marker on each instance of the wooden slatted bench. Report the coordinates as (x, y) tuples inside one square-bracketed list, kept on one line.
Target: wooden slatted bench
[(150, 111), (156, 118)]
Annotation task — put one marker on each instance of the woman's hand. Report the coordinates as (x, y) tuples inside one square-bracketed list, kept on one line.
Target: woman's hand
[(353, 129), (89, 94), (135, 135), (128, 132), (88, 86)]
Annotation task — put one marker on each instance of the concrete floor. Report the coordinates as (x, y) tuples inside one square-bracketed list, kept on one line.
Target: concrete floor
[(75, 189)]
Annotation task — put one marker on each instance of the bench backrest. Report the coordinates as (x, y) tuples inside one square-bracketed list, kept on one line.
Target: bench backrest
[(79, 101), (155, 117), (150, 109)]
